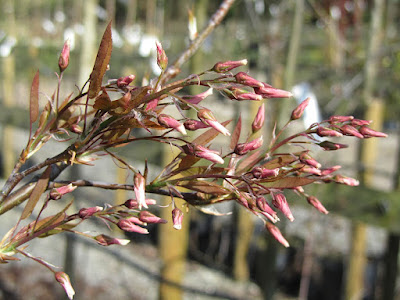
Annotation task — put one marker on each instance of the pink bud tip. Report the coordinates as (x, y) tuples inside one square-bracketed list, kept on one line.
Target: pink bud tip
[(222, 67), (105, 240), (276, 233), (63, 60), (65, 282), (88, 212), (148, 217), (368, 132), (139, 186), (177, 217), (318, 205), (169, 122), (299, 110), (247, 80), (244, 148), (162, 59), (128, 226), (259, 119), (280, 202), (124, 81)]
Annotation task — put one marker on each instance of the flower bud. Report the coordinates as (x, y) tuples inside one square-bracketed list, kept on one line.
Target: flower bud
[(208, 154), (241, 94), (327, 145), (65, 282), (323, 131), (88, 212), (148, 217), (358, 122), (162, 59), (259, 172), (276, 233), (57, 193), (133, 203), (299, 110), (139, 189), (105, 240), (124, 81), (340, 119), (194, 125), (63, 60), (266, 91), (177, 217), (280, 202), (206, 116), (196, 99), (346, 180), (223, 67), (169, 122), (315, 202), (259, 119), (246, 79), (305, 158), (244, 148), (330, 170), (351, 131), (368, 132), (128, 226)]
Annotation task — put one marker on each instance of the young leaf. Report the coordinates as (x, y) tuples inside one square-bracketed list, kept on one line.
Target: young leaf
[(38, 190), (205, 187), (236, 133), (34, 99), (288, 182), (101, 63)]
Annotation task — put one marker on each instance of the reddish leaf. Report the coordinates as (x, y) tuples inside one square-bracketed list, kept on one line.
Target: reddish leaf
[(236, 133), (101, 63), (208, 136), (249, 161), (288, 182), (205, 187), (281, 161), (37, 191), (34, 99)]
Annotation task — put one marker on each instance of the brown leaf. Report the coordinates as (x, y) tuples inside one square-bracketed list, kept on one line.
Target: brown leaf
[(281, 161), (37, 191), (205, 187), (288, 182), (34, 99), (236, 133), (101, 63)]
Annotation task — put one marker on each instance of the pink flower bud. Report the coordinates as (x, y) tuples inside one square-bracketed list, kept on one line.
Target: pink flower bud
[(310, 170), (88, 212), (327, 145), (358, 122), (340, 119), (148, 217), (65, 282), (263, 206), (135, 220), (223, 67), (57, 193), (280, 202), (208, 154), (63, 60), (240, 95), (128, 226), (105, 240), (259, 172), (276, 233), (368, 132), (307, 159), (124, 81), (206, 116), (152, 104), (139, 189), (351, 131), (315, 202), (246, 79), (346, 180), (194, 125), (299, 110), (259, 119), (323, 131), (244, 148), (177, 217), (162, 59), (196, 99), (266, 91), (133, 203), (170, 122), (330, 170)]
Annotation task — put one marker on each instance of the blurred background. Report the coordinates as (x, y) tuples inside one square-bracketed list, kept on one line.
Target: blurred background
[(343, 54)]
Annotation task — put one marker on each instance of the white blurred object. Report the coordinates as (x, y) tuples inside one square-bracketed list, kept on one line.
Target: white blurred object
[(69, 34), (48, 25), (117, 39), (312, 113), (7, 45), (132, 34), (147, 45)]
